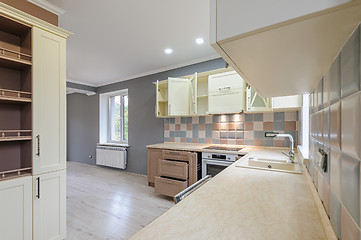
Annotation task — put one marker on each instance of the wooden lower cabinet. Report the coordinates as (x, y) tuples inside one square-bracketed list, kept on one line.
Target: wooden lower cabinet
[(171, 171), (16, 209), (169, 187), (154, 154), (49, 206)]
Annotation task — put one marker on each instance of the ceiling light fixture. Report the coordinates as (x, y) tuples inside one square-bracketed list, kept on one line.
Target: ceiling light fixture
[(200, 41), (168, 50)]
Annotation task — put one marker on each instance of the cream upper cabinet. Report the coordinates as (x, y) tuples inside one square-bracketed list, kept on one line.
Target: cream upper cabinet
[(287, 102), (193, 108), (255, 102), (178, 96), (16, 210), (49, 102), (49, 206), (225, 93)]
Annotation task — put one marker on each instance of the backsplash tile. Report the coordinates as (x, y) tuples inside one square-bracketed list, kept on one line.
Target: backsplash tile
[(335, 119), (240, 129)]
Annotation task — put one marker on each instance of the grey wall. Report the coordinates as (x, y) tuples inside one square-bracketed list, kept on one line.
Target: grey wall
[(144, 127), (82, 127)]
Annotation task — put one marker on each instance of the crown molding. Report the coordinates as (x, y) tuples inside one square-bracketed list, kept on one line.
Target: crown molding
[(26, 18), (48, 6)]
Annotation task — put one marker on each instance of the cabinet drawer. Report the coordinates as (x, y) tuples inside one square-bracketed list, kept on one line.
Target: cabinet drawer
[(176, 155), (169, 187), (173, 169)]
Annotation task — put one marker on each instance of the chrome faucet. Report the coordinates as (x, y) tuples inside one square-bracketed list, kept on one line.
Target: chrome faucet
[(291, 154)]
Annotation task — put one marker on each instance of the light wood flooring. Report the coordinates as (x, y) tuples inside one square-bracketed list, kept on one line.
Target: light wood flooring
[(104, 203)]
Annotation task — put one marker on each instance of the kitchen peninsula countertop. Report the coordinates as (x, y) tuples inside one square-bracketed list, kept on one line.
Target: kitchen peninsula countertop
[(242, 203)]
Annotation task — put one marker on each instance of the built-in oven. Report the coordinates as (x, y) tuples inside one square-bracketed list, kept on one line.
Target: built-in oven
[(214, 163)]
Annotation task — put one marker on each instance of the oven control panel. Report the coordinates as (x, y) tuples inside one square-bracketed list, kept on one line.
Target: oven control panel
[(220, 156)]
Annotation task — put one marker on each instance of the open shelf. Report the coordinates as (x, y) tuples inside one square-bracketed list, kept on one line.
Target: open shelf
[(14, 96), (21, 172), (15, 135), (15, 99), (14, 59)]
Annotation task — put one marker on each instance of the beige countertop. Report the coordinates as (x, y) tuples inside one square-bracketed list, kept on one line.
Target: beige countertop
[(199, 147), (242, 203)]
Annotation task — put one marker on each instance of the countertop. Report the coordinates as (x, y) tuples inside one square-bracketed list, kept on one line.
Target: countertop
[(242, 203), (199, 147)]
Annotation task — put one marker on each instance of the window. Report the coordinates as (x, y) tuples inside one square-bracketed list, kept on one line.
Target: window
[(118, 118), (114, 117)]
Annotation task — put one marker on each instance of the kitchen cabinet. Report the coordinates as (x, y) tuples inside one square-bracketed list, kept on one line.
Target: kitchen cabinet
[(178, 96), (189, 95), (33, 75), (287, 102), (263, 49), (226, 93), (49, 206), (49, 87), (16, 209), (171, 171), (154, 155), (256, 103)]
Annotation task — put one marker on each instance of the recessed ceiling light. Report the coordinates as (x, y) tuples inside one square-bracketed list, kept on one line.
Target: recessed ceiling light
[(200, 41), (168, 50)]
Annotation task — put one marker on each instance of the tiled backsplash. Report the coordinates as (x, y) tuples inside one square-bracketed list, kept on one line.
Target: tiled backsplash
[(240, 129), (335, 108)]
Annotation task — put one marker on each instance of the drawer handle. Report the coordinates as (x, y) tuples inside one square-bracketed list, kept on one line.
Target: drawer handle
[(173, 153), (171, 163), (166, 181)]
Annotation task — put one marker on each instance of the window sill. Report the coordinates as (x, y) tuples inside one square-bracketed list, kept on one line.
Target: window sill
[(114, 144)]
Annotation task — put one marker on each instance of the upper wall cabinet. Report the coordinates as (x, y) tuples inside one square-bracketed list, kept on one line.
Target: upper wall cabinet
[(255, 102), (287, 50), (189, 95), (226, 93)]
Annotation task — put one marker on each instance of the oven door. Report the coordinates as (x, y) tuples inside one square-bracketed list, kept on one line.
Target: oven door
[(213, 167)]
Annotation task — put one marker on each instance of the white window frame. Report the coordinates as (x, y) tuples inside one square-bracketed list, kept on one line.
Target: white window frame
[(105, 119)]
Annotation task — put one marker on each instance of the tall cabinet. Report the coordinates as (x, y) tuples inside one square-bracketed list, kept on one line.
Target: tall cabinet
[(32, 127)]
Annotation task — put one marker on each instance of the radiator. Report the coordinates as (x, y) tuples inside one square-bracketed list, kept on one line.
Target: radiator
[(111, 156)]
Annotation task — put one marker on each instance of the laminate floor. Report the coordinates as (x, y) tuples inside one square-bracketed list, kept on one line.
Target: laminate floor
[(104, 203)]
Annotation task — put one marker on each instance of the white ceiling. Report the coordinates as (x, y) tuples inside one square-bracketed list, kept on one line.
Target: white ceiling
[(116, 40)]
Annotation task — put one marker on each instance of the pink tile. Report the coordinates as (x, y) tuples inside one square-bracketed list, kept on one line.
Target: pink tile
[(183, 140), (189, 127), (231, 126), (239, 141), (171, 139), (349, 229), (335, 125), (216, 126), (177, 127), (248, 126), (268, 126), (290, 126), (166, 126), (195, 140), (258, 142), (208, 140), (202, 127), (223, 141), (231, 141)]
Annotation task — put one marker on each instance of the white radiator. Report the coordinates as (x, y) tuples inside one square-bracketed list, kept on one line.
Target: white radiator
[(111, 156)]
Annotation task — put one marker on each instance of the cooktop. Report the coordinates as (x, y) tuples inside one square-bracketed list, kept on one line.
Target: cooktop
[(224, 148)]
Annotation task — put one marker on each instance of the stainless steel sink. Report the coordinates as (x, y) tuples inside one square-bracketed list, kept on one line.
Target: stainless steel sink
[(270, 164)]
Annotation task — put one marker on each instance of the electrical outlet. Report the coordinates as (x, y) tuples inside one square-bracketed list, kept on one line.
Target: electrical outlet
[(90, 156), (321, 159)]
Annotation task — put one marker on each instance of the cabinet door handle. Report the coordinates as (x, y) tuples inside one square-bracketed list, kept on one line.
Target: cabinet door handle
[(170, 163), (173, 153), (38, 145), (38, 194)]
